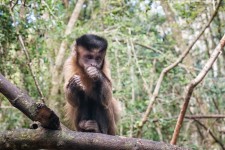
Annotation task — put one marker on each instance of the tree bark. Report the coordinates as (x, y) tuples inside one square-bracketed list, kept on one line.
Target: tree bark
[(35, 111), (68, 140)]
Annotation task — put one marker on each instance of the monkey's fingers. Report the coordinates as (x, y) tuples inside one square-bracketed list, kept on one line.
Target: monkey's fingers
[(75, 82), (93, 72), (77, 79), (78, 82), (71, 82), (92, 126), (82, 124)]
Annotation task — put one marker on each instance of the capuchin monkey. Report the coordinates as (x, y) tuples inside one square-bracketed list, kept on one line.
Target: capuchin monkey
[(90, 106)]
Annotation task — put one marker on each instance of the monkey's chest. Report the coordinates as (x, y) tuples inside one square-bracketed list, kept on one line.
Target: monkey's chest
[(91, 109), (87, 83)]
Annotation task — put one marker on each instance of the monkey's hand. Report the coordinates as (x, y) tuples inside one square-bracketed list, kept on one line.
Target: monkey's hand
[(75, 82), (93, 73), (89, 126)]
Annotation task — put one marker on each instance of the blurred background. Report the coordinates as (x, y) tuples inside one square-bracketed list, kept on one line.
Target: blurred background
[(144, 37)]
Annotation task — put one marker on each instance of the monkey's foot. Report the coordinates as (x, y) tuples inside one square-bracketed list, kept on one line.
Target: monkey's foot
[(89, 126)]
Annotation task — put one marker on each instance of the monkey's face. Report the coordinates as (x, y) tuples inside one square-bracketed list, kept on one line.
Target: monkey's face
[(94, 57)]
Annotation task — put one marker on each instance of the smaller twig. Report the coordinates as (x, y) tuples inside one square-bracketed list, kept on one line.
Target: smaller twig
[(138, 66), (204, 116), (28, 60), (140, 44), (148, 47), (13, 5), (222, 131), (192, 117), (211, 133), (7, 107), (216, 105), (30, 68), (50, 11)]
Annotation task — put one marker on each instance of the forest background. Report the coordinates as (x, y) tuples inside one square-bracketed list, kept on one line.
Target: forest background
[(145, 36)]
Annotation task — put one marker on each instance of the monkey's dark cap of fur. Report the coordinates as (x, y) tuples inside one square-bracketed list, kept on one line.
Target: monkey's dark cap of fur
[(91, 41)]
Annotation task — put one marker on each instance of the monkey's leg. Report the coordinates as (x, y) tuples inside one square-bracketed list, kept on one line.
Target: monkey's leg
[(100, 115)]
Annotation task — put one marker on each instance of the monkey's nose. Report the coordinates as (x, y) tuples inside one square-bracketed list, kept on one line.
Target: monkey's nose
[(93, 65)]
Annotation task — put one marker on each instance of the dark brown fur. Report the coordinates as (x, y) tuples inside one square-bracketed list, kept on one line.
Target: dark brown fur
[(100, 111)]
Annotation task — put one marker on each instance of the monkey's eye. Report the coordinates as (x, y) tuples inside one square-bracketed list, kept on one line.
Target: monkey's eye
[(89, 57), (98, 59)]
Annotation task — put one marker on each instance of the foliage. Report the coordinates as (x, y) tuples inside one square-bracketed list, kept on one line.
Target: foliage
[(129, 26)]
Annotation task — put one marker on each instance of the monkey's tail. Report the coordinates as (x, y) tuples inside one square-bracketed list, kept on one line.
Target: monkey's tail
[(116, 109)]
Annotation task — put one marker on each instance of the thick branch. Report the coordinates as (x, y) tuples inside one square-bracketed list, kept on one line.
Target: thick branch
[(193, 84), (35, 111), (68, 140), (167, 69)]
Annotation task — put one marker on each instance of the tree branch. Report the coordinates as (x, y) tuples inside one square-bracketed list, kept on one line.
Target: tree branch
[(211, 133), (66, 139), (190, 87), (204, 116), (193, 117), (140, 44), (35, 111), (167, 69)]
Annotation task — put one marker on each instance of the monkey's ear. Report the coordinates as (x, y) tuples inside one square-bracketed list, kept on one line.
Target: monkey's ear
[(75, 48), (72, 47)]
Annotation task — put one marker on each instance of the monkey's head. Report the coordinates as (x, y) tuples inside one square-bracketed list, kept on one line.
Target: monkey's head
[(91, 51)]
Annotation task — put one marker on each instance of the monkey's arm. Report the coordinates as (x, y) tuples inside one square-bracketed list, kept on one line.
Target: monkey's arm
[(74, 90), (106, 90), (102, 88), (73, 86)]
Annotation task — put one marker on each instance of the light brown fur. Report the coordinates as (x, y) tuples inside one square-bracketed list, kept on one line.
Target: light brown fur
[(71, 68)]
